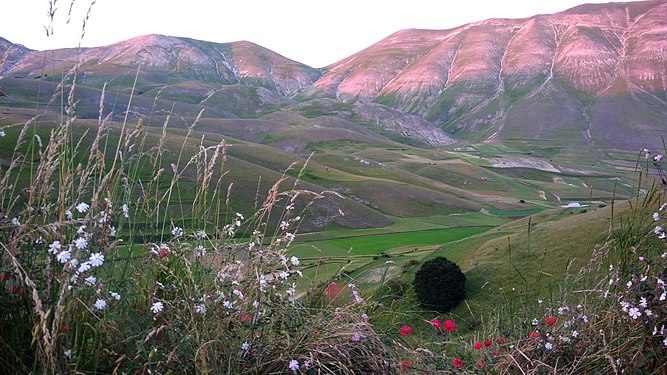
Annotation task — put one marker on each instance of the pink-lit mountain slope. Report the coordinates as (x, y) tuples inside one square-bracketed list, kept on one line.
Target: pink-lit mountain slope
[(592, 75)]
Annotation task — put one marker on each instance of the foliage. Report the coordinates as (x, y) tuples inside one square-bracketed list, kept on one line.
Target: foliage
[(440, 284)]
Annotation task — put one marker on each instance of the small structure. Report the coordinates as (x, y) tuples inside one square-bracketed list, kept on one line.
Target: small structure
[(574, 205)]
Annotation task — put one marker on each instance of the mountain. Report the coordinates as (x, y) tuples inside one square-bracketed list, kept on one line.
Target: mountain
[(594, 75), (10, 54), (167, 59)]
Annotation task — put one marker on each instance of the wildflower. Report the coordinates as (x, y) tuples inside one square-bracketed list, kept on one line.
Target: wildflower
[(634, 313), (534, 334), (112, 231), (480, 364), (356, 337), (357, 297), (642, 302), (126, 211), (306, 364), (292, 290), (548, 346), (2, 133), (228, 304), (283, 275), (15, 221), (90, 280), (657, 158), (200, 250), (457, 363), (96, 259), (200, 309), (81, 230), (239, 216), (293, 365), (658, 229), (664, 342), (405, 330), (68, 214), (284, 225), (449, 326), (100, 304), (238, 293), (294, 260), (535, 322), (405, 365), (73, 262), (64, 256), (82, 207), (115, 296), (648, 312), (68, 353), (550, 320), (663, 296), (177, 231), (563, 310), (85, 266), (584, 318), (157, 307), (55, 247), (629, 284), (435, 323), (575, 334), (477, 345), (487, 343), (163, 251), (81, 243), (245, 346)]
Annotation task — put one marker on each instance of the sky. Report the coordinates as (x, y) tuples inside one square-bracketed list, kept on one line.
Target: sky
[(316, 33)]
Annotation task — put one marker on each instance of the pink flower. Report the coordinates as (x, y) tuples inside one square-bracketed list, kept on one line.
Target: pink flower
[(405, 330), (458, 362), (487, 343), (435, 323), (480, 363), (534, 334), (477, 345), (405, 365), (449, 326)]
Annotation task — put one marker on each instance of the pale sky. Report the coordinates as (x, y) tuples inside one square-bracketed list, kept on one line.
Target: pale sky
[(316, 33)]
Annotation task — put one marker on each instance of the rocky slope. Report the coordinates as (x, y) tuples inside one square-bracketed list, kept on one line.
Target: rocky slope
[(594, 73), (166, 59)]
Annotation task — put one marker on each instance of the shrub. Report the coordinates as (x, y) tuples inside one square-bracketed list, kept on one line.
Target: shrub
[(440, 284)]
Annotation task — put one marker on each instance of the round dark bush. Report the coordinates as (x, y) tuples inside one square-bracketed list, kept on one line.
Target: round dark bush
[(440, 285)]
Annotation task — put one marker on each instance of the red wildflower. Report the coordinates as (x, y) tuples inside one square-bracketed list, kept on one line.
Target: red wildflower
[(477, 345), (480, 363), (435, 323), (405, 330), (163, 251), (487, 343), (534, 334), (500, 340), (550, 320), (405, 365), (458, 362), (449, 326), (245, 318), (495, 354), (314, 330)]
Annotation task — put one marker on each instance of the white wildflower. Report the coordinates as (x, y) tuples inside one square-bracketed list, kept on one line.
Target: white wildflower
[(200, 309), (81, 243), (68, 353), (294, 260), (81, 230), (82, 207), (2, 133), (200, 250), (642, 302), (634, 313), (656, 216), (238, 293), (548, 346), (245, 346), (157, 307), (100, 304), (96, 259), (55, 247), (85, 266), (115, 296), (15, 221), (126, 211), (112, 231), (663, 296), (68, 214), (534, 322), (177, 231), (575, 334), (283, 275), (284, 225), (228, 304), (64, 256), (90, 280)]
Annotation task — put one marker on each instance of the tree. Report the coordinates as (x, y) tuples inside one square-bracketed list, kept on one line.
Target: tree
[(440, 284)]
